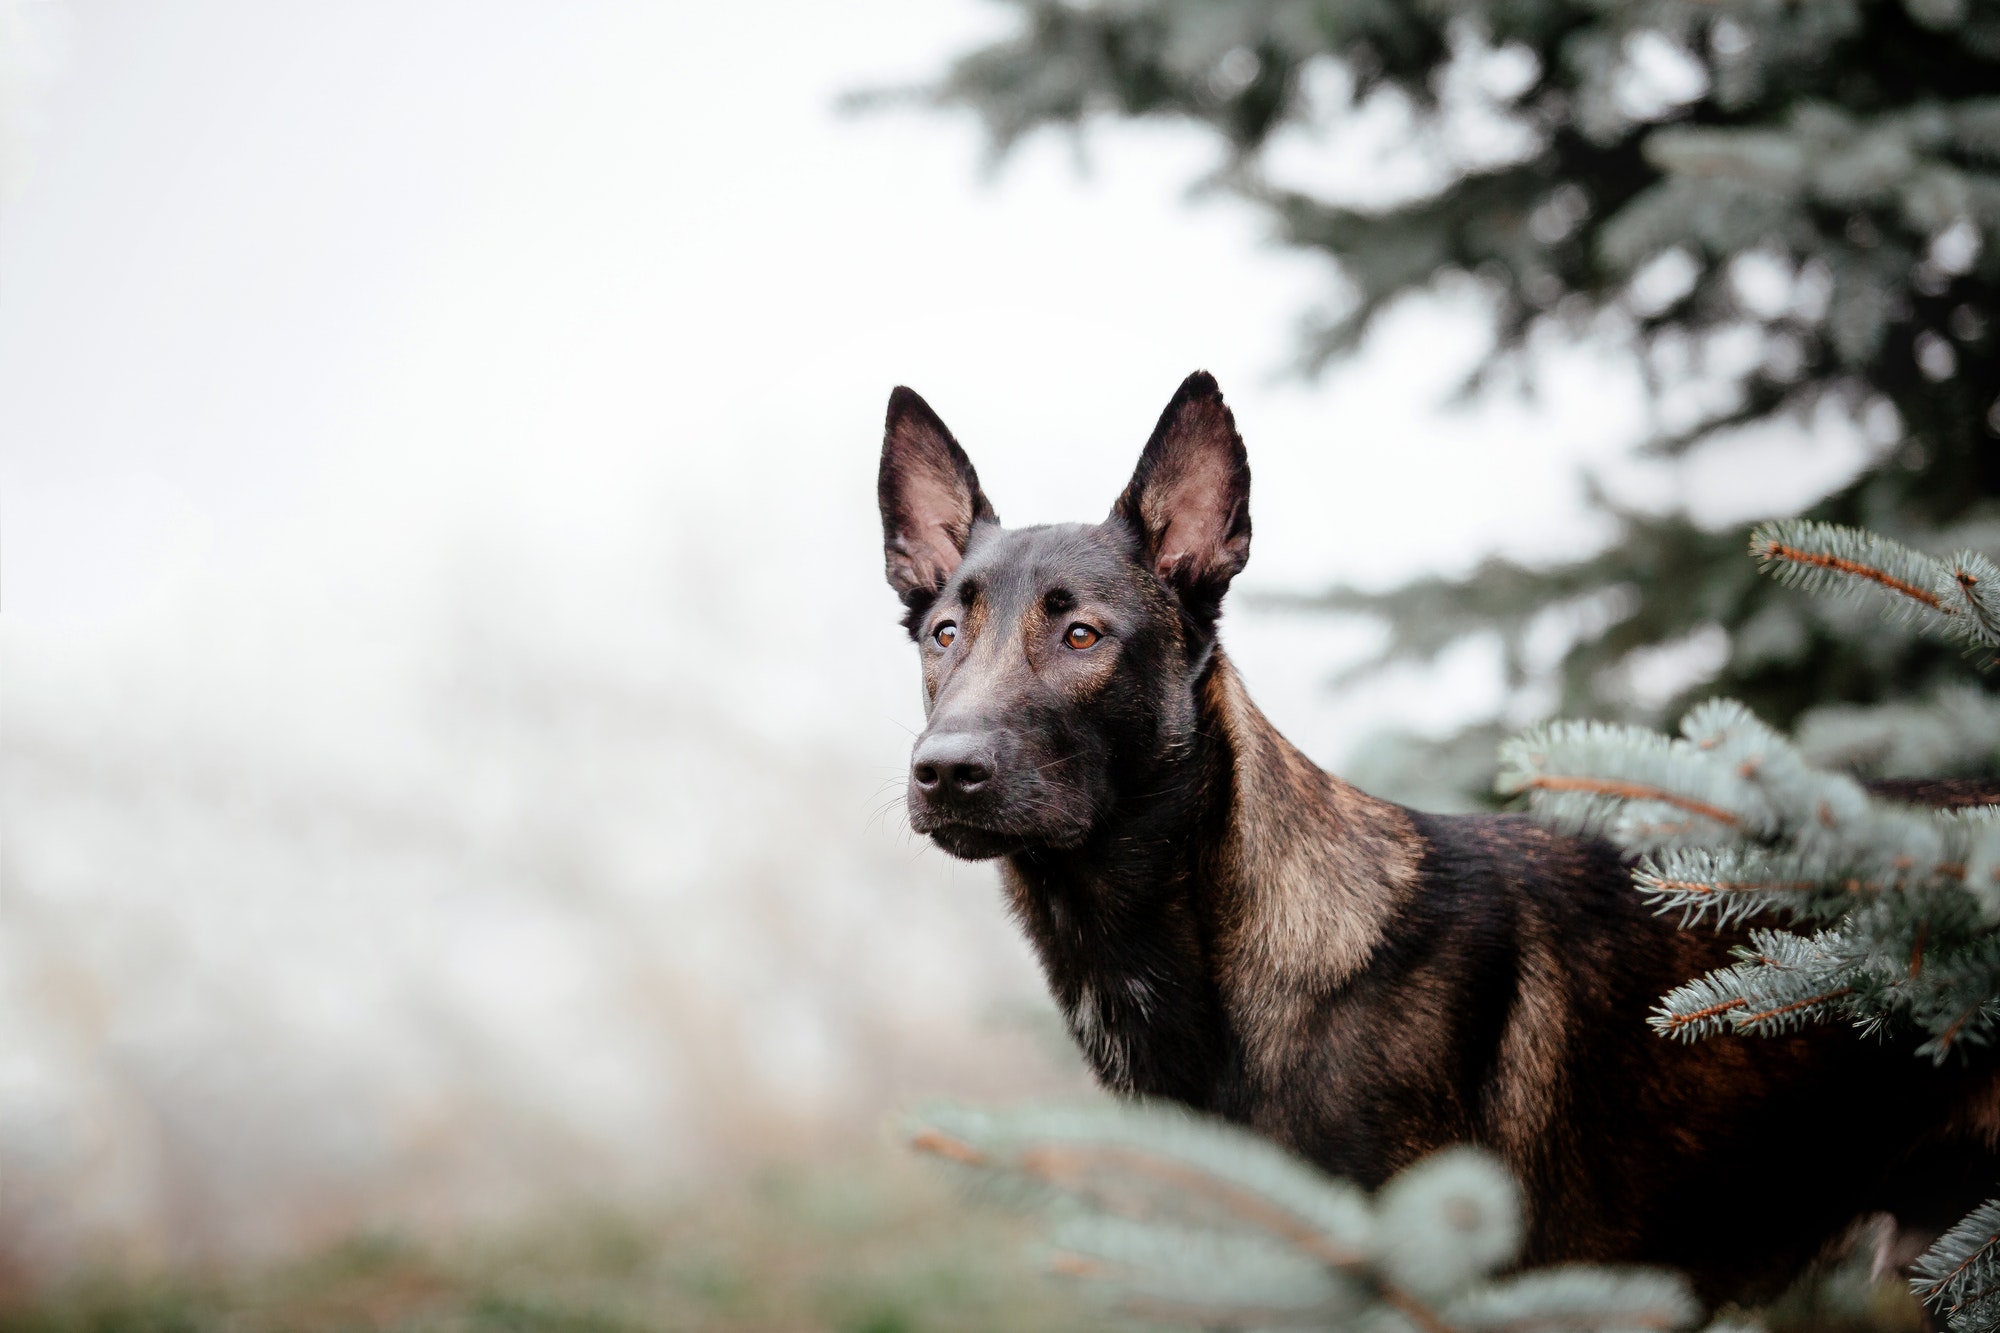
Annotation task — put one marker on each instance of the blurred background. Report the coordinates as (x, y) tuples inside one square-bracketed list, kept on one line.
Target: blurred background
[(454, 721)]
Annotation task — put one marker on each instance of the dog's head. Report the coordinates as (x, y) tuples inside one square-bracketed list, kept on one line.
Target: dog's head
[(1059, 662)]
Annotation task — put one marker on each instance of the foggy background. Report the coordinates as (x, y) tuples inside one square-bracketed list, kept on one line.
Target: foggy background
[(453, 717)]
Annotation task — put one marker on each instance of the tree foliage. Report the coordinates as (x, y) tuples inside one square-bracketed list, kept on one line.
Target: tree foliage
[(1730, 822)]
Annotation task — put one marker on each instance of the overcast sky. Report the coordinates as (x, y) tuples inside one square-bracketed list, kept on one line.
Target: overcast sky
[(314, 308)]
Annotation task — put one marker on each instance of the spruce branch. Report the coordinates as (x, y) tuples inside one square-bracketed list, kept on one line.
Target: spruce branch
[(1598, 777), (1185, 1220), (1783, 982), (1817, 557), (1959, 1276), (1574, 1298), (1734, 825), (1956, 599), (1725, 885), (1153, 1162)]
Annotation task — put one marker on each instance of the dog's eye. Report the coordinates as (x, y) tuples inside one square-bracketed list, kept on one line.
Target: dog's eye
[(945, 634), (1080, 636)]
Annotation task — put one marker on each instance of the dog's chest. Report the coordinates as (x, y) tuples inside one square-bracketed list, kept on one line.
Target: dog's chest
[(1113, 1020), (1127, 973)]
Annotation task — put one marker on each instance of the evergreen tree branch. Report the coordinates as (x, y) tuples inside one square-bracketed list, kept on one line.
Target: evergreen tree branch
[(1959, 1276), (1573, 1298), (1190, 1221), (1598, 777), (1729, 884), (1954, 599), (1814, 556), (1782, 982)]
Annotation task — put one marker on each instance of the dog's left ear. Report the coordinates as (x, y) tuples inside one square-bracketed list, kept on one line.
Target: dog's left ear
[(1189, 499)]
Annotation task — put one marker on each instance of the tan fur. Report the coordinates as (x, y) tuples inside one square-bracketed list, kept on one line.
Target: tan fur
[(982, 658), (1530, 1091), (1322, 866)]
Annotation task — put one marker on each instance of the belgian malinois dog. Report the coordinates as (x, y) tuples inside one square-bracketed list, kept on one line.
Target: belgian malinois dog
[(1225, 924)]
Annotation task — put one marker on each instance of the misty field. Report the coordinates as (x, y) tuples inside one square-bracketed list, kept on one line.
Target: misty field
[(874, 1244)]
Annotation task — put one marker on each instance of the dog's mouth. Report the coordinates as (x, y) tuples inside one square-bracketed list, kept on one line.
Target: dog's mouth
[(982, 842), (969, 842)]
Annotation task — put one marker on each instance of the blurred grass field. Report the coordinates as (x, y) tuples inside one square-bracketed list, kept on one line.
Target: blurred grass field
[(875, 1244)]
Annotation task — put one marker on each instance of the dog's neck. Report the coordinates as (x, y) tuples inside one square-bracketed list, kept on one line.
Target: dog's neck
[(1219, 904)]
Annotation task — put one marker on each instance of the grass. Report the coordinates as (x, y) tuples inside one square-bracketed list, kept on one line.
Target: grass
[(875, 1246)]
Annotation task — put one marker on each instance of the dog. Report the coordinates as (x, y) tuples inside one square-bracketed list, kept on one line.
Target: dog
[(1224, 924)]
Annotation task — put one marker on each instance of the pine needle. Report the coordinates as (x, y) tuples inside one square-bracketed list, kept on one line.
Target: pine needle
[(1959, 1276)]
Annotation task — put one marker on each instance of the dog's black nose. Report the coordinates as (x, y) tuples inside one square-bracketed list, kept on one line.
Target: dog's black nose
[(955, 763)]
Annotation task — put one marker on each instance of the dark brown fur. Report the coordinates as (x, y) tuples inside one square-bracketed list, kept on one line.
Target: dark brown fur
[(1225, 924)]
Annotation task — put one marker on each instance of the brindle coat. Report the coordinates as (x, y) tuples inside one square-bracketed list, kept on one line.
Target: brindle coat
[(1225, 924)]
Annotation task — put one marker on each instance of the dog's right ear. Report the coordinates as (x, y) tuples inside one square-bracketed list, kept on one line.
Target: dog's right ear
[(1189, 499), (930, 500)]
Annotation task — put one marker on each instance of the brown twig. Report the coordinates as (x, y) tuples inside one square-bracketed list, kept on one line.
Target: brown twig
[(1950, 1034), (1067, 1166), (1675, 1022), (1632, 791), (1778, 551), (1784, 1009), (1736, 885), (1076, 1265), (1415, 1310), (1584, 1319), (1937, 1288), (951, 1149)]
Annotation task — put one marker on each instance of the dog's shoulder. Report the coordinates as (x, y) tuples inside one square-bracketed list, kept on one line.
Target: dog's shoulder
[(1483, 862), (1489, 852), (1557, 910)]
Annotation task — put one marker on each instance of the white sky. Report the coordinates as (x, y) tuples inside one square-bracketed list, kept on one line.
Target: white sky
[(317, 302), (309, 303)]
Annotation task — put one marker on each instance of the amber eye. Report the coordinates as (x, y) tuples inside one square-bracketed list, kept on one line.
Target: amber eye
[(1080, 636), (945, 634)]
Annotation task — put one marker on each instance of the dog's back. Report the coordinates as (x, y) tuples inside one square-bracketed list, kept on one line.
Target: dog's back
[(1735, 1158)]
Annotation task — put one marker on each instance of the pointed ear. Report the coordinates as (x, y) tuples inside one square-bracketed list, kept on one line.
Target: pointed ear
[(930, 500), (1189, 499)]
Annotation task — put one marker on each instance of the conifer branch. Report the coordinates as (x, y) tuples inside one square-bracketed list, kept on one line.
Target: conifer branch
[(1782, 981), (1598, 778), (1572, 1298), (1628, 791), (1773, 553), (1959, 1276), (1729, 883), (1184, 1220), (1910, 897), (1955, 599), (1071, 1167), (1952, 731)]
